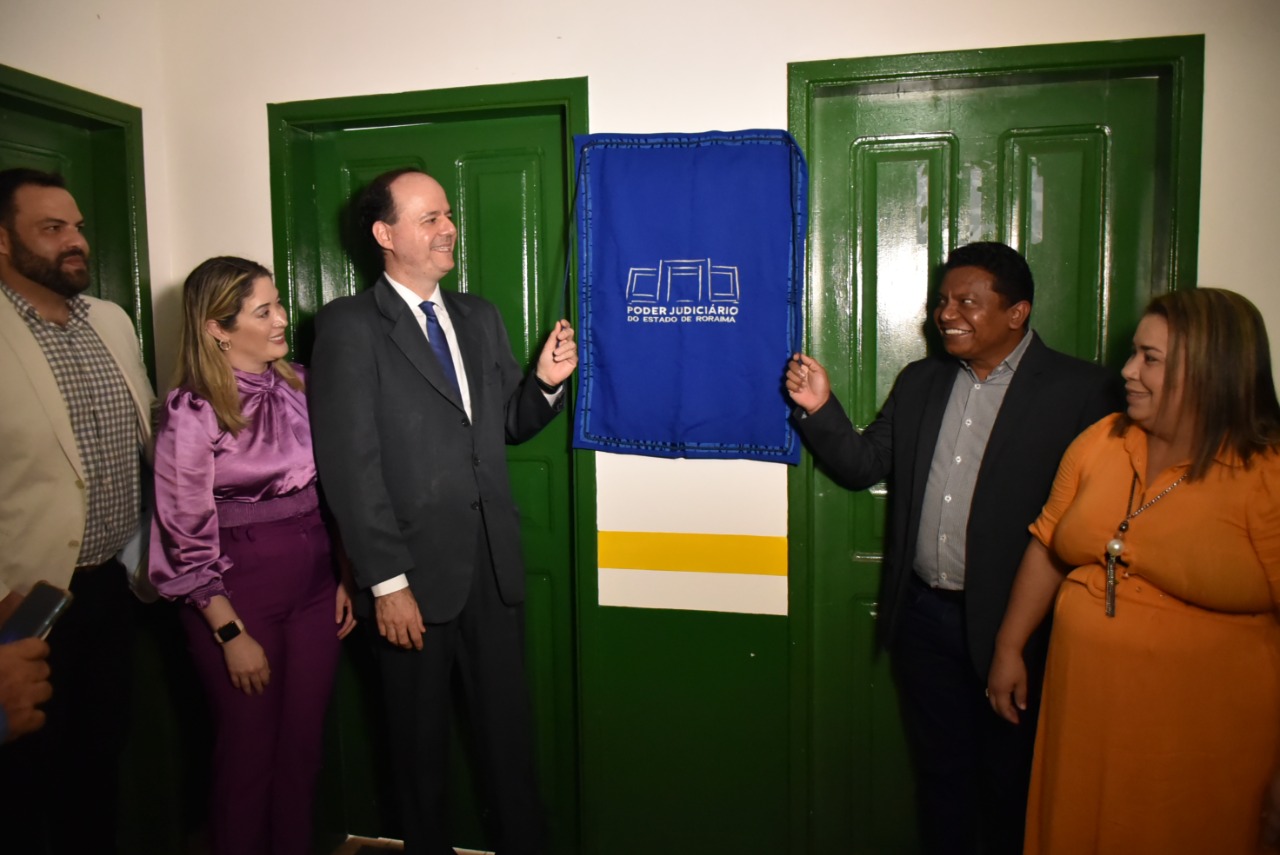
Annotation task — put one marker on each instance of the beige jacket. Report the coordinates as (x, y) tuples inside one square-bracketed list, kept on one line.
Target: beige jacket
[(42, 495)]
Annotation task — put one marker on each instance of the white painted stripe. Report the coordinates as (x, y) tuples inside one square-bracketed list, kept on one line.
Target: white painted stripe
[(705, 592), (635, 493)]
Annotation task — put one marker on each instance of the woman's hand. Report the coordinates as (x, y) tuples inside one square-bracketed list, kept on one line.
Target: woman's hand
[(1007, 683), (344, 613), (1271, 816), (1039, 576), (247, 664)]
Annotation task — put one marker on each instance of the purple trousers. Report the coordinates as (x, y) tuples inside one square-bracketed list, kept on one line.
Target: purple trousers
[(267, 748)]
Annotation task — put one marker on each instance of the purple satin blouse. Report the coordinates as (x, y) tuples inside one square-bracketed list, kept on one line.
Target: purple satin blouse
[(200, 467)]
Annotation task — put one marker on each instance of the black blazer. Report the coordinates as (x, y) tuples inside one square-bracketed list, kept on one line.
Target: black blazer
[(402, 468), (1051, 399)]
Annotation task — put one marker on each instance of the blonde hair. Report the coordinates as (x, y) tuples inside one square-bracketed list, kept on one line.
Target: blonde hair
[(216, 291)]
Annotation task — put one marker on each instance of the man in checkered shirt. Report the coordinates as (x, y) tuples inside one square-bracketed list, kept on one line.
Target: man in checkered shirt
[(75, 423)]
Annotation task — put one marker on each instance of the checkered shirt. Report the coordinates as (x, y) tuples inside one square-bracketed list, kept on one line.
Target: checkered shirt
[(104, 420)]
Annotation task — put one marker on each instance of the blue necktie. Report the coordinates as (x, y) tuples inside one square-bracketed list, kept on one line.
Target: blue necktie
[(440, 344)]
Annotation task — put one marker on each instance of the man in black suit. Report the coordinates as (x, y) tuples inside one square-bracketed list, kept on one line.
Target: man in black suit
[(414, 394), (971, 443)]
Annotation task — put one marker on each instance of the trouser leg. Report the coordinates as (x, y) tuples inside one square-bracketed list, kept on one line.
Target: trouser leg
[(310, 661), (972, 767), (416, 686), (491, 662)]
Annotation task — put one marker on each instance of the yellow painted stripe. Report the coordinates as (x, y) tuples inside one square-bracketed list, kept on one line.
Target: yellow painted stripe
[(699, 553)]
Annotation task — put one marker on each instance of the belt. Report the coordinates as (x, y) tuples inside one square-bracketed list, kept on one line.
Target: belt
[(955, 598), (233, 514)]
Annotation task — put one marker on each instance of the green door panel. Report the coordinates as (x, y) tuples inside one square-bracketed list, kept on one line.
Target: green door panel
[(36, 142), (684, 724), (1080, 156), (505, 170)]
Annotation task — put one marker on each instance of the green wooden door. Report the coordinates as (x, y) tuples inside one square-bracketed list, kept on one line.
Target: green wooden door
[(505, 172), (1070, 154)]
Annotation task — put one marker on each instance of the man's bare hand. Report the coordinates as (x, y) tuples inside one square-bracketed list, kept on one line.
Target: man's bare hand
[(807, 383), (24, 685), (399, 620), (559, 356)]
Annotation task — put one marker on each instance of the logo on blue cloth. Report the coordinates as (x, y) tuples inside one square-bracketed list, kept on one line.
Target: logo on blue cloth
[(683, 291)]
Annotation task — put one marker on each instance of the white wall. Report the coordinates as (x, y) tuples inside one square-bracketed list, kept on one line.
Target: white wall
[(203, 73)]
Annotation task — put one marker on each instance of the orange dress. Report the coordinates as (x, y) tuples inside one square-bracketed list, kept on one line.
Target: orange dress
[(1159, 727)]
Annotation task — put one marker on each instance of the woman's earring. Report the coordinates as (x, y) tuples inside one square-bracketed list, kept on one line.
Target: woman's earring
[(224, 345)]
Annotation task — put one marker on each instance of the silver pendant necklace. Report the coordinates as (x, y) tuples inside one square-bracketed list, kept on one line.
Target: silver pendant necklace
[(1115, 546)]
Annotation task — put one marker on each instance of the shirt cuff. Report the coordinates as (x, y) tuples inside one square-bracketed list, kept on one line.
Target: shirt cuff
[(390, 586), (201, 597)]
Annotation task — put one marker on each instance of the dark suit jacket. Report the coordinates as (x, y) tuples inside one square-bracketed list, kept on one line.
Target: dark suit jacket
[(1051, 399), (404, 471)]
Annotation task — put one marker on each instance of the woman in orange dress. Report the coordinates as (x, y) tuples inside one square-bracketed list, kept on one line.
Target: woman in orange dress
[(1160, 721)]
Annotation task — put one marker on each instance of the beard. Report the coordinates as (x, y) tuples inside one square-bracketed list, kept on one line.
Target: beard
[(37, 268)]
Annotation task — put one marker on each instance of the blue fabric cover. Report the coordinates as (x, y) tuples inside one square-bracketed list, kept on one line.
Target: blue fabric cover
[(691, 260)]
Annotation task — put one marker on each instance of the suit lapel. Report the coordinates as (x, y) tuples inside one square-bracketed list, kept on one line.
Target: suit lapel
[(32, 361), (408, 338)]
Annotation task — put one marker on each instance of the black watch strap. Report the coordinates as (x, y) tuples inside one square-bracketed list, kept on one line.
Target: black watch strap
[(228, 631)]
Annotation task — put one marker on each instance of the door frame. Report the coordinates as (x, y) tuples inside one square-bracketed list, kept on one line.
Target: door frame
[(1179, 60), (115, 131), (295, 243)]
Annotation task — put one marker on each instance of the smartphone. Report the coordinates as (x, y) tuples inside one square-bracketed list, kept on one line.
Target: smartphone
[(35, 615)]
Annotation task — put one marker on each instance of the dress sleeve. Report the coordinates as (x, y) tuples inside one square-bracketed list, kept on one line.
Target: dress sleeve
[(1263, 520), (1066, 484), (186, 554)]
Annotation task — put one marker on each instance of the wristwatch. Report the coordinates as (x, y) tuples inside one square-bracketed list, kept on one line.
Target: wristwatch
[(228, 631)]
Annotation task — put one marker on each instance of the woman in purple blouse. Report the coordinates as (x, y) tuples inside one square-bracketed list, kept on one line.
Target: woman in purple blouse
[(238, 537)]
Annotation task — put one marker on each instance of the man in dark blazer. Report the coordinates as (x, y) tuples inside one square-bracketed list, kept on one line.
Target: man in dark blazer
[(414, 393), (970, 443)]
